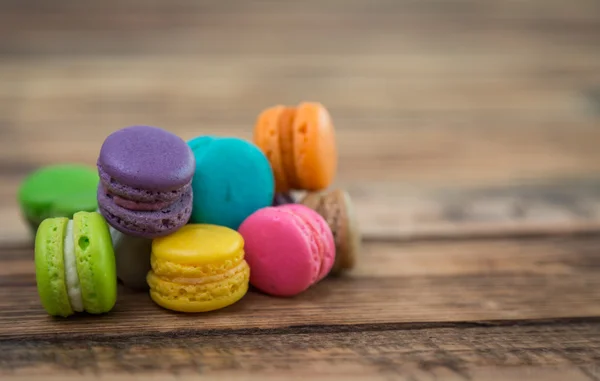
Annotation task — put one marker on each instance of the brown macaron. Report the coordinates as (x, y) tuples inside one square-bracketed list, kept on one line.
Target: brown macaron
[(336, 208)]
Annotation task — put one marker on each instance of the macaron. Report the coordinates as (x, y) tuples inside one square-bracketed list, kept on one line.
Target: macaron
[(199, 268), (300, 145), (289, 248), (132, 256), (283, 199), (75, 265), (232, 180), (58, 190), (337, 209), (145, 181)]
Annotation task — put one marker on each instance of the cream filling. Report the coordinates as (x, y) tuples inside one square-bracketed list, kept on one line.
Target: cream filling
[(73, 288)]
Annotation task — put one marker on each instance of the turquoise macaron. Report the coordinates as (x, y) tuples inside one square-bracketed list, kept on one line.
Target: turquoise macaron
[(233, 179)]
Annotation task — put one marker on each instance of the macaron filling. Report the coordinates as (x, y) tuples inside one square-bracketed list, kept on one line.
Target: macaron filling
[(199, 297), (114, 187), (310, 234), (267, 136), (320, 229), (71, 275), (286, 145), (137, 205), (215, 278), (147, 224)]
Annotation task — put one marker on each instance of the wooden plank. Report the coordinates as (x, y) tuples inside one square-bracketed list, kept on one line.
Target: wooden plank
[(401, 169), (554, 351), (417, 155), (419, 282), (418, 118), (401, 212), (394, 211), (237, 88), (116, 27)]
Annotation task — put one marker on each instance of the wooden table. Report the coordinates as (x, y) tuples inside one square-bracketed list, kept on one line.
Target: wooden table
[(469, 139)]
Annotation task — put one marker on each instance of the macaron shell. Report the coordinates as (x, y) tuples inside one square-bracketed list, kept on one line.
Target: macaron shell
[(227, 191), (323, 232), (200, 272), (337, 209), (147, 157), (354, 236), (146, 224), (286, 145), (199, 244), (279, 252), (58, 191), (311, 232), (132, 256), (49, 267), (138, 194), (312, 200), (283, 199), (267, 138), (199, 268), (315, 151), (200, 297), (96, 265)]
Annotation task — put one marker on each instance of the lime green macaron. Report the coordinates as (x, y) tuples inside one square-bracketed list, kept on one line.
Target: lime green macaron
[(58, 191), (75, 265)]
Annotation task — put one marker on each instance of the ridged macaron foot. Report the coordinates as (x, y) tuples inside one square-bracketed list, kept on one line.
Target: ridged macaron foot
[(58, 190), (300, 144), (232, 180), (75, 265), (337, 209), (289, 248), (145, 181), (199, 268)]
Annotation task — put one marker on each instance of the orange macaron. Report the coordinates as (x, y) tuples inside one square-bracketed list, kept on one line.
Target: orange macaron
[(300, 145)]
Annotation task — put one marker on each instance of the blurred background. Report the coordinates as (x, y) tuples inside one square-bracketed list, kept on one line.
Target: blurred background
[(452, 116)]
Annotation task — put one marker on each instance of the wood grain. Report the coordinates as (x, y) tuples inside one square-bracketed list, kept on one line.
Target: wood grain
[(550, 350), (419, 282), (427, 98), (396, 211)]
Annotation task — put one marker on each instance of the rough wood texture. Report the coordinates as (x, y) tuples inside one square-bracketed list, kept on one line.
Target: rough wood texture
[(553, 351), (435, 290), (468, 138), (428, 97)]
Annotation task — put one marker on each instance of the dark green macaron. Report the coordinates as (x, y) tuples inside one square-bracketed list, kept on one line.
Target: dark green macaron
[(75, 265), (58, 191)]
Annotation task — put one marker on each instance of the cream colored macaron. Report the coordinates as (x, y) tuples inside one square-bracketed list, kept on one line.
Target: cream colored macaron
[(337, 209)]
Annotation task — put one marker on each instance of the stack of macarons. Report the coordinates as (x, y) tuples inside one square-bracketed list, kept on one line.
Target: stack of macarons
[(194, 223)]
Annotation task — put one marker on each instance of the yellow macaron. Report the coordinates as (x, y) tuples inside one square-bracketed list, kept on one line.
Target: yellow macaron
[(198, 268)]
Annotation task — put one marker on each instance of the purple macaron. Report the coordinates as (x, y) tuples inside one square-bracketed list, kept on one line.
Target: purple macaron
[(145, 181)]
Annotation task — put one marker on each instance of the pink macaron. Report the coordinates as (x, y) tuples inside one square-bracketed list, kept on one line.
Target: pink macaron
[(288, 248)]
